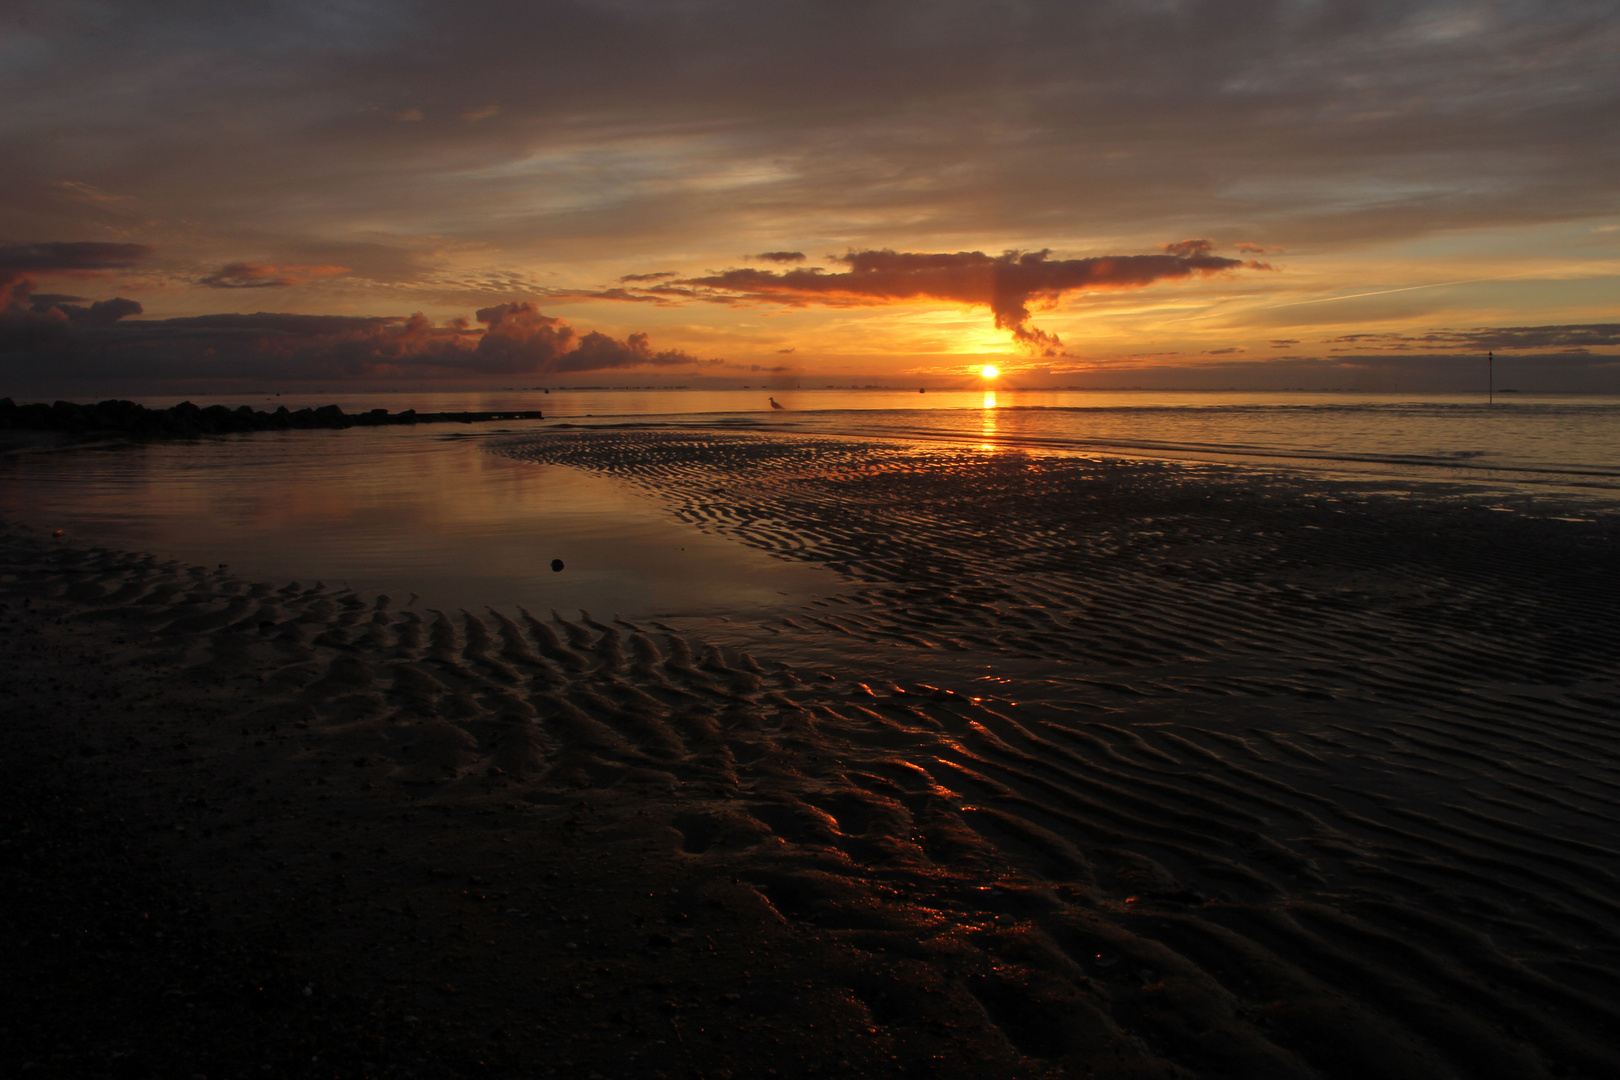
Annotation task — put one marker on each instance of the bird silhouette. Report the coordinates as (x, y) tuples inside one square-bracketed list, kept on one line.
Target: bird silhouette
[(776, 404)]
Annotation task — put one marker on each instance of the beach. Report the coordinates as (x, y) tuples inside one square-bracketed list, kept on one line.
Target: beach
[(1083, 765)]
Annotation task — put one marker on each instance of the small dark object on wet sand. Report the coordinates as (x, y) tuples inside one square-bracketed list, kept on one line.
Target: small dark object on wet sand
[(556, 565)]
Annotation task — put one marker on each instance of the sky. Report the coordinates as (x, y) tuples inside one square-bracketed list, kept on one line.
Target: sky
[(1171, 193)]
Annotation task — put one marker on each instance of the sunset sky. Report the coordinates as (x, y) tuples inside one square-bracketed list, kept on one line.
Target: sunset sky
[(1159, 192)]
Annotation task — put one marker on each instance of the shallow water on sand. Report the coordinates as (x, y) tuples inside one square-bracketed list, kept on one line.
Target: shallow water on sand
[(1531, 441), (426, 510), (1281, 775), (399, 511), (1265, 771)]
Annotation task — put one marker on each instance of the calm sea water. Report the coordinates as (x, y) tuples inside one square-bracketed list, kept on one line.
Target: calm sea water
[(1569, 441), (425, 510)]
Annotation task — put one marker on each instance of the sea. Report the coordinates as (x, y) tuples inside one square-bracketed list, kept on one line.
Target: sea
[(427, 515)]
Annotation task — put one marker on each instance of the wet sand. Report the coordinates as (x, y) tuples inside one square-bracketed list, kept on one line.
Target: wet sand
[(1095, 767)]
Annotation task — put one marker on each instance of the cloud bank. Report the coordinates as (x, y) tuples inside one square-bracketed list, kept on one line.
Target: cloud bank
[(1332, 122), (47, 340), (31, 320), (1007, 283), (1585, 336), (21, 265), (1403, 373)]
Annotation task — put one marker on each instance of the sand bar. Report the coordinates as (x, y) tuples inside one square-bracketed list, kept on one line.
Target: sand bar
[(1095, 767)]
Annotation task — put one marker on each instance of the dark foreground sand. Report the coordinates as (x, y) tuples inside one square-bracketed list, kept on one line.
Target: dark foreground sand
[(1095, 769)]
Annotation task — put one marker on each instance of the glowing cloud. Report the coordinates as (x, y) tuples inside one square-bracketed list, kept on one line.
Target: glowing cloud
[(1005, 283)]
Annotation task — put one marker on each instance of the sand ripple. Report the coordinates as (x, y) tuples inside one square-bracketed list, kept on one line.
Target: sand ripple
[(1175, 768)]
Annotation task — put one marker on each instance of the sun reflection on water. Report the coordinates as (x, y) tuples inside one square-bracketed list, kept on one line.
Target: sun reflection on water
[(988, 431)]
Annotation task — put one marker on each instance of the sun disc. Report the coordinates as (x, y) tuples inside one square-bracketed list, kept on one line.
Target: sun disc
[(989, 371)]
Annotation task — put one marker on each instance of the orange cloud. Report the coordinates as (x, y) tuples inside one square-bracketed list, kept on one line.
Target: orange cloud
[(1005, 283)]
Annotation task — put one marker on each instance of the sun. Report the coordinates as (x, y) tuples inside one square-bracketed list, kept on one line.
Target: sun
[(989, 371)]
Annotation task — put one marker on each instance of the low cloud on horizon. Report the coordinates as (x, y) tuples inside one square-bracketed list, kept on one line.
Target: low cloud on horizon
[(54, 335), (1572, 372), (63, 338), (1580, 337), (45, 340)]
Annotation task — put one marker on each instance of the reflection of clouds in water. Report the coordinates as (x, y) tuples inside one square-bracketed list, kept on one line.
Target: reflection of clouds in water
[(301, 481), (397, 511), (988, 430)]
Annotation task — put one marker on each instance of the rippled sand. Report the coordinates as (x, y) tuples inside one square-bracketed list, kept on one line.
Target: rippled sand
[(1139, 768)]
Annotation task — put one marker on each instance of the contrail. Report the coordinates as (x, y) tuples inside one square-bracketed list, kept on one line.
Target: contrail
[(1384, 292)]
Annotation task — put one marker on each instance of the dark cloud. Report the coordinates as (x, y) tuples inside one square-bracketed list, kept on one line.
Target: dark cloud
[(1338, 121), (69, 257), (68, 342), (662, 275), (22, 264), (242, 275), (1590, 335), (1434, 372), (1189, 248), (52, 333), (100, 313), (37, 320), (1321, 117), (46, 321), (1007, 284), (780, 256)]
